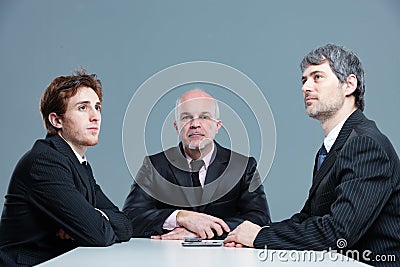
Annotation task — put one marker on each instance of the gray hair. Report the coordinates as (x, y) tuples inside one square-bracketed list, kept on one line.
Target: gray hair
[(343, 63)]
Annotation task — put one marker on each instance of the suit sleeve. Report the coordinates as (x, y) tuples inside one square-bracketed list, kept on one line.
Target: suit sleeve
[(146, 216), (118, 220), (363, 169), (251, 206), (52, 191)]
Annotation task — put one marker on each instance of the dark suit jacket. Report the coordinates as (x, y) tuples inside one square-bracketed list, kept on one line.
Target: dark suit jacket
[(354, 196), (50, 190), (163, 185)]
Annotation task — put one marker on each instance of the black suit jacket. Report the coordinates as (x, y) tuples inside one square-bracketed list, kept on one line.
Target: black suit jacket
[(354, 196), (163, 185), (48, 191)]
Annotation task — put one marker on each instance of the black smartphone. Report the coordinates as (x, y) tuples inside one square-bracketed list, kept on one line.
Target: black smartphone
[(193, 239), (202, 244)]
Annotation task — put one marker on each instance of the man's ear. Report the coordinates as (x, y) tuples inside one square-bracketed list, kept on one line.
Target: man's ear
[(219, 125), (350, 84), (55, 120)]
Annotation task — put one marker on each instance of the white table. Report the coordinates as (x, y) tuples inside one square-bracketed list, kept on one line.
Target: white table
[(157, 253)]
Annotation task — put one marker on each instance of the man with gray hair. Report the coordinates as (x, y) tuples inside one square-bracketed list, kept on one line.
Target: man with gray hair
[(199, 188), (354, 200)]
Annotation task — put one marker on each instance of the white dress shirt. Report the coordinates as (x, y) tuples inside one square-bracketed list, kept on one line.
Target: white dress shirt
[(330, 139)]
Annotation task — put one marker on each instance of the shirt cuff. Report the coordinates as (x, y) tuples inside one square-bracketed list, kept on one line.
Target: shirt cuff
[(103, 214), (171, 223)]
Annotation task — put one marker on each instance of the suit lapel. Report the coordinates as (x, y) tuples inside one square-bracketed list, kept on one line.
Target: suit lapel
[(179, 167), (89, 178), (216, 166), (325, 167), (330, 159), (85, 173)]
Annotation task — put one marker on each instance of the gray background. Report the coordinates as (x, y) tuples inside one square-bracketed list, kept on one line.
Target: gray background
[(126, 42)]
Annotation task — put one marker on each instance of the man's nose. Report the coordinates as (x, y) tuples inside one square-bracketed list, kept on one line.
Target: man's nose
[(307, 86), (195, 123), (95, 115)]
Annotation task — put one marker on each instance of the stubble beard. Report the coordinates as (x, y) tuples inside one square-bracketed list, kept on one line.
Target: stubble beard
[(91, 140), (200, 149), (203, 143), (82, 140), (322, 113), (325, 111)]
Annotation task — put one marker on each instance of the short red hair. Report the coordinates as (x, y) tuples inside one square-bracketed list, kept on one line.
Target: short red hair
[(61, 89)]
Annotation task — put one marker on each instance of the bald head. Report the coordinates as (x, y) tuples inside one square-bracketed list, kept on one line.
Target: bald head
[(194, 94), (196, 122)]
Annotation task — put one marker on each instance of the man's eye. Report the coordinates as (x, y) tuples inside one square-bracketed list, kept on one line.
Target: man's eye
[(98, 108), (204, 117), (186, 118), (317, 77), (82, 107)]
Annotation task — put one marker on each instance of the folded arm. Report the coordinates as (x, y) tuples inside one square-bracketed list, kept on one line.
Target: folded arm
[(53, 191)]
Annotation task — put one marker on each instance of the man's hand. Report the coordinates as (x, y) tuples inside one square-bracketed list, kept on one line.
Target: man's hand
[(201, 224), (176, 234), (63, 235), (243, 235)]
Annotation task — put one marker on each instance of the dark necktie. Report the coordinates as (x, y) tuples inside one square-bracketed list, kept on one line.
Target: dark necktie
[(196, 166), (86, 167), (321, 156)]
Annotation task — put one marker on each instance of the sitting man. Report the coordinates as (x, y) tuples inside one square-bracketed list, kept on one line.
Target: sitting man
[(199, 188), (53, 203), (354, 198)]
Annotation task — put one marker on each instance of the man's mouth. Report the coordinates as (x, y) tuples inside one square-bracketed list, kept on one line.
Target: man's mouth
[(309, 98), (93, 128), (195, 135)]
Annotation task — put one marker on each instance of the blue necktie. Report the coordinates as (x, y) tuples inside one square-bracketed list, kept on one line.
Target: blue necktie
[(321, 156)]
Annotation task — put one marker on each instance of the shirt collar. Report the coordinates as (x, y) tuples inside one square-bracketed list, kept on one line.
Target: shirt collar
[(81, 159), (330, 139)]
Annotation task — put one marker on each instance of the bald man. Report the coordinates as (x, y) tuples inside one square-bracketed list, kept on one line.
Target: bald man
[(199, 188)]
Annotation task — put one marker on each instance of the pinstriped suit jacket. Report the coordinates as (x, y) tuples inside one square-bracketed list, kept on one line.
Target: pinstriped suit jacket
[(354, 196), (50, 190)]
